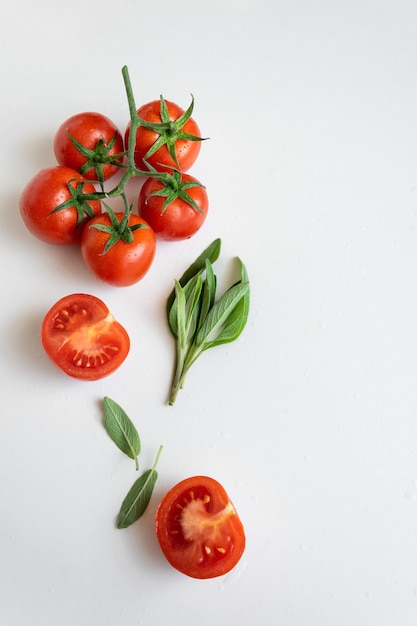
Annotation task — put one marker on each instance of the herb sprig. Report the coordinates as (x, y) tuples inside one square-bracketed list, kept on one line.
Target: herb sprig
[(123, 433), (197, 320)]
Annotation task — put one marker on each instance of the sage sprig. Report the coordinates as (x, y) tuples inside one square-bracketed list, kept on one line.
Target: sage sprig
[(123, 433), (197, 320)]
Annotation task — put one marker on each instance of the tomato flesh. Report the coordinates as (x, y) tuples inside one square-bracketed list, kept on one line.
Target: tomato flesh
[(81, 336), (198, 528)]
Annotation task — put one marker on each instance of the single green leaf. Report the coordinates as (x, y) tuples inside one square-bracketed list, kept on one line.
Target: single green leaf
[(181, 315), (121, 429), (211, 252), (236, 320), (173, 313), (219, 313), (138, 497), (209, 293), (193, 308), (135, 503)]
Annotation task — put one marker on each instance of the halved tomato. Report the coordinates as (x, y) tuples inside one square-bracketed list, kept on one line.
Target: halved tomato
[(198, 528), (81, 336)]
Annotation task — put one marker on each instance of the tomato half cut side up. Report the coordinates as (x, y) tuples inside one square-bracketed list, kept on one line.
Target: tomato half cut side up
[(82, 338), (198, 528)]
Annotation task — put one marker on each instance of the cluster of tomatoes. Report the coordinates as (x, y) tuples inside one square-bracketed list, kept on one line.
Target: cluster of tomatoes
[(67, 203)]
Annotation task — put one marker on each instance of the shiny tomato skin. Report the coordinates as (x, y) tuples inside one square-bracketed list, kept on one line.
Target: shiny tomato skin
[(82, 338), (180, 220), (198, 529), (186, 151), (88, 128), (124, 264), (42, 194)]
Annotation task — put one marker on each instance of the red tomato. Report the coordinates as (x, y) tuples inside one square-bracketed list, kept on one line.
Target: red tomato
[(101, 145), (198, 528), (186, 149), (124, 263), (44, 193), (80, 335), (175, 211)]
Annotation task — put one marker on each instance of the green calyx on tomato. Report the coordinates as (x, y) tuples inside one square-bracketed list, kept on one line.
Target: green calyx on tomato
[(175, 187), (119, 229), (79, 201), (99, 156), (169, 131)]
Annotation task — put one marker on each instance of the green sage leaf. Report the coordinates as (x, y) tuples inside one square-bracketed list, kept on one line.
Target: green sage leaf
[(193, 308), (173, 312), (121, 429), (138, 497), (135, 503), (181, 314), (236, 320), (220, 312), (212, 253), (209, 293)]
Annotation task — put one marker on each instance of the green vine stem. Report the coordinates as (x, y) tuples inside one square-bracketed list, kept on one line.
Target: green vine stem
[(130, 168)]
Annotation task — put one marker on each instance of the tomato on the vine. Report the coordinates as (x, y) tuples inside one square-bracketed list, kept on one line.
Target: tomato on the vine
[(176, 207), (119, 248), (53, 208), (198, 528), (90, 143), (168, 137), (81, 336)]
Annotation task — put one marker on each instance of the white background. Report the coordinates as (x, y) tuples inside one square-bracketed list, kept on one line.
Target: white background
[(309, 420)]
